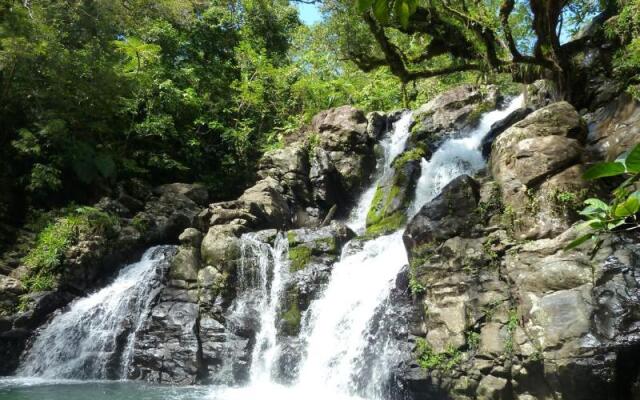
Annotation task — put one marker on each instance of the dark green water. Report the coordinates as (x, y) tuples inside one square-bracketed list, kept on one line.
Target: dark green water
[(34, 389)]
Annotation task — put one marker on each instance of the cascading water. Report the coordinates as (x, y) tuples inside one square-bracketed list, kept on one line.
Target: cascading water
[(393, 143), (94, 338), (346, 333), (457, 156), (272, 269)]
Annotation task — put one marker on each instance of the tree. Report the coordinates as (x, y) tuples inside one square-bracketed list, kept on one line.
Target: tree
[(422, 39)]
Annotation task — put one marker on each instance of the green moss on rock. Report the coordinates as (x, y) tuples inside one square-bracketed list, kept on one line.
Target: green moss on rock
[(291, 317), (299, 257), (409, 155), (387, 224)]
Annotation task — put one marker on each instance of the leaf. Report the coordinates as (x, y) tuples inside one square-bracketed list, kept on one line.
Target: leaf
[(364, 5), (381, 10), (632, 160), (605, 169), (597, 204), (629, 207), (413, 6), (577, 242), (402, 12)]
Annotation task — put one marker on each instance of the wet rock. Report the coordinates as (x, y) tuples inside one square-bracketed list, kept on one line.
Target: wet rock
[(394, 194), (449, 214), (450, 112), (498, 127)]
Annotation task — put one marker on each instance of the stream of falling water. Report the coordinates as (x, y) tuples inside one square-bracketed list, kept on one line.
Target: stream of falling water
[(337, 332), (85, 341)]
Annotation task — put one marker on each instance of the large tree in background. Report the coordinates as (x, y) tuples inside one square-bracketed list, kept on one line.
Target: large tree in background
[(420, 39)]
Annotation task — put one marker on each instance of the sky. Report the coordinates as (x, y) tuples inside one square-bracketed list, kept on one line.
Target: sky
[(309, 13)]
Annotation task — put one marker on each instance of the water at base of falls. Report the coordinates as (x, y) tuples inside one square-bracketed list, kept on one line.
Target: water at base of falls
[(347, 353)]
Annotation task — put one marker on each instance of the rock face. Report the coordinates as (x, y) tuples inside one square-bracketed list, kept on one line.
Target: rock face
[(343, 134), (150, 216), (393, 196), (503, 320), (614, 129), (450, 112), (185, 341), (303, 181), (449, 214), (536, 162)]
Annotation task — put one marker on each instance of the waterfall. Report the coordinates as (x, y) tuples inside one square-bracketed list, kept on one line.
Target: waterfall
[(347, 333), (348, 330), (337, 332), (392, 144), (269, 264), (93, 338), (457, 156)]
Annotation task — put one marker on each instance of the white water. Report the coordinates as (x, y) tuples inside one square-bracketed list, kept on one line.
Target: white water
[(337, 336), (346, 356), (80, 343), (393, 143), (272, 271), (457, 157)]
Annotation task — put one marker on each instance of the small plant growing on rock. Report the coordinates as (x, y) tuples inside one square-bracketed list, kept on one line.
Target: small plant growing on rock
[(429, 359), (620, 214)]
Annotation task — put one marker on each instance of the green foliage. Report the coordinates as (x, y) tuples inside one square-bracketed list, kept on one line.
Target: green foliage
[(299, 257), (45, 258), (626, 27), (512, 324), (409, 155), (621, 212), (429, 359)]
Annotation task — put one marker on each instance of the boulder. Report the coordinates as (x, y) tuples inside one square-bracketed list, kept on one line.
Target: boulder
[(541, 93), (394, 194), (326, 185), (535, 162), (195, 192), (450, 214), (613, 129), (289, 166), (343, 133), (261, 206), (221, 247), (341, 129), (498, 127)]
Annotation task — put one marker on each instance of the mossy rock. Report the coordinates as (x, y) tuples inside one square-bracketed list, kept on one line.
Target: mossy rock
[(394, 194), (299, 257), (291, 315), (387, 225)]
